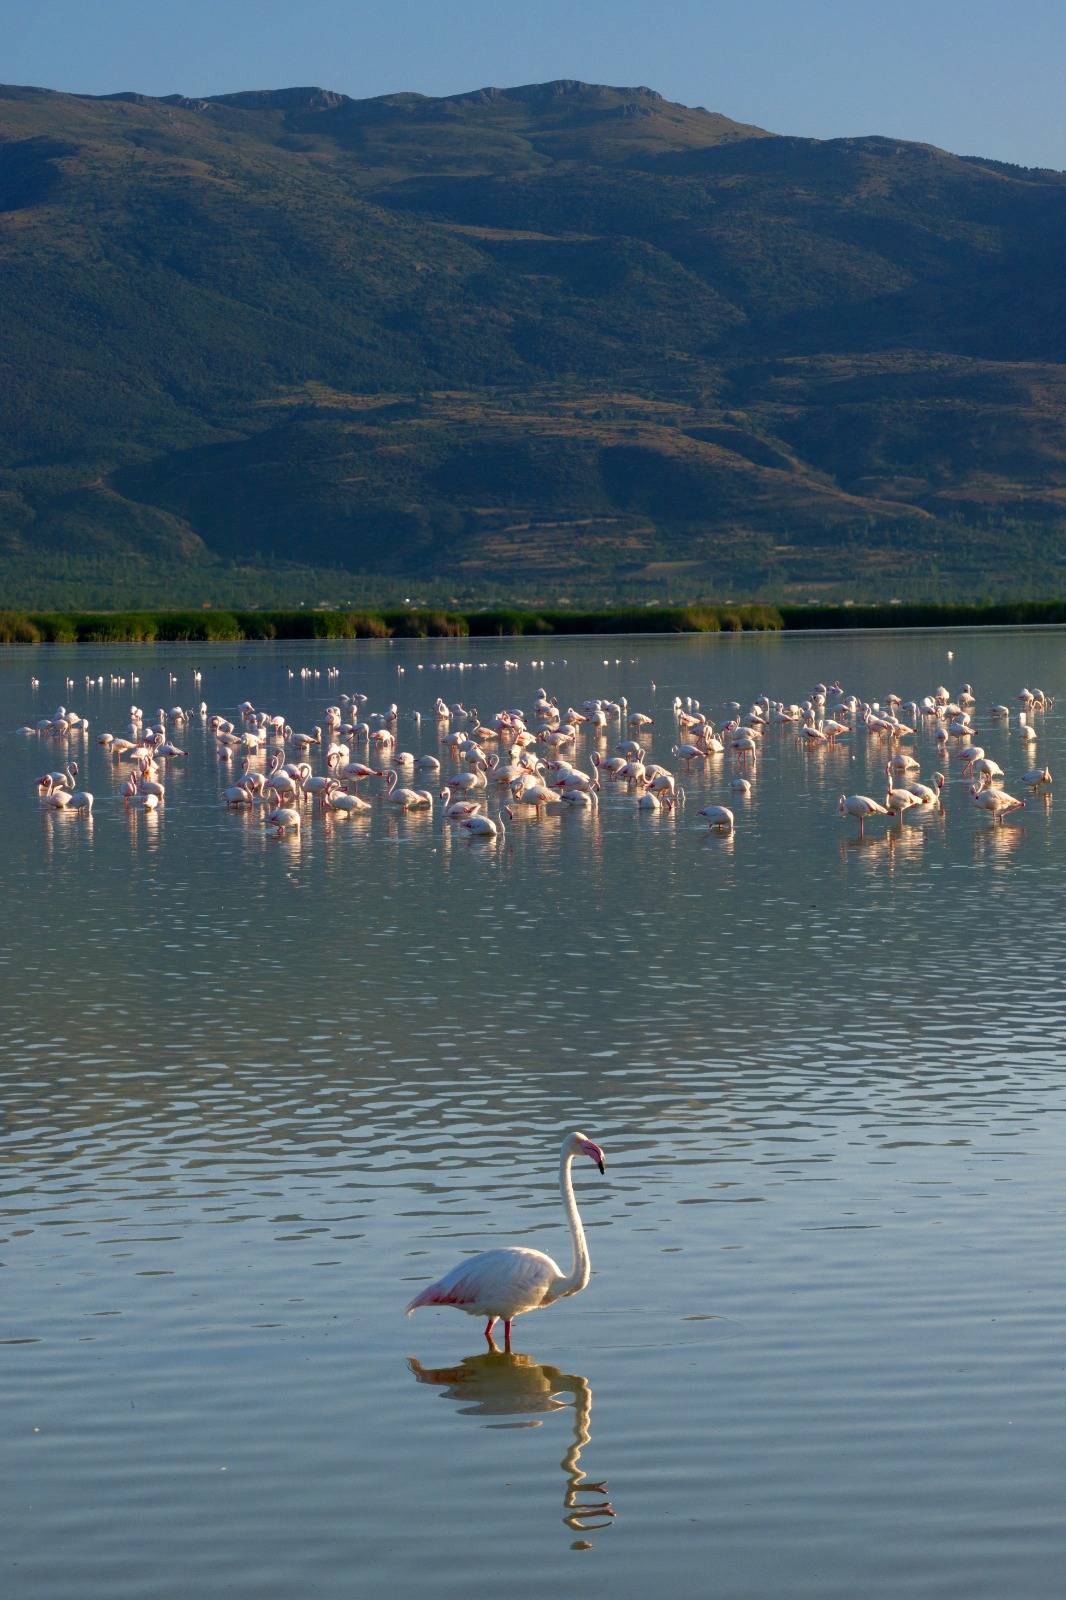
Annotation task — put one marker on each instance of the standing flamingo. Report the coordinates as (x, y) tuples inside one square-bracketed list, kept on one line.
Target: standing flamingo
[(995, 802), (861, 806), (512, 1280)]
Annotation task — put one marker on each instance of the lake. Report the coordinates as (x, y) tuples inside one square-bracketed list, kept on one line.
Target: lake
[(256, 1093)]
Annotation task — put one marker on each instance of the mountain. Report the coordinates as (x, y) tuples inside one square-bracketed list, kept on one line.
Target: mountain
[(552, 337)]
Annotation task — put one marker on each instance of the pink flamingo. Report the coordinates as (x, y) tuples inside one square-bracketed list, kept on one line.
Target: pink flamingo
[(510, 1281), (861, 806)]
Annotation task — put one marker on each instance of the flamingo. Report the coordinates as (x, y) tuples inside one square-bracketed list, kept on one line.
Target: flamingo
[(149, 785), (53, 797), (468, 780), (334, 799), (135, 800), (282, 819), (612, 765), (356, 771), (479, 827), (661, 783), (578, 799), (406, 799), (926, 794), (719, 817), (65, 779), (897, 801), (861, 806), (456, 810), (1038, 777), (995, 802), (509, 1281)]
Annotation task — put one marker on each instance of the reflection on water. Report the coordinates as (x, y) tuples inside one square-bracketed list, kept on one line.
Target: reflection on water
[(501, 1384)]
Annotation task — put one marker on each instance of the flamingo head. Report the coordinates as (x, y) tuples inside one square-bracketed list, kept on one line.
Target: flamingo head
[(579, 1144)]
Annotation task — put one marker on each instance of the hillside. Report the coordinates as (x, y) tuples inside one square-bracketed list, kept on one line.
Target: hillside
[(560, 337)]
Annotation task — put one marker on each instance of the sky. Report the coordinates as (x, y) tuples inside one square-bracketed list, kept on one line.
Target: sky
[(972, 76)]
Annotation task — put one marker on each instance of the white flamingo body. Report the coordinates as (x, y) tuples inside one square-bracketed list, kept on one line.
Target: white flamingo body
[(995, 802), (283, 819), (897, 801), (503, 1283), (406, 799), (344, 804), (480, 827), (53, 798), (456, 810), (612, 765), (510, 1281), (861, 806), (926, 794), (468, 780)]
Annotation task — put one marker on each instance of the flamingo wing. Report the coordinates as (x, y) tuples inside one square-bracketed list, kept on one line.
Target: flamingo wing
[(500, 1282)]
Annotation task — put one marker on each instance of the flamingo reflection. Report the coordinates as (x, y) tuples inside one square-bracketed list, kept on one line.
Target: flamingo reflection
[(502, 1384)]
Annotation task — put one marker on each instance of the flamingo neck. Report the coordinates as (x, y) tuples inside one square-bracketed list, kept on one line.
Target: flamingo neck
[(581, 1268)]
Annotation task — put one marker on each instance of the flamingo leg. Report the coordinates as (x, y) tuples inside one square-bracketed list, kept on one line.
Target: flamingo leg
[(488, 1331), (507, 1335)]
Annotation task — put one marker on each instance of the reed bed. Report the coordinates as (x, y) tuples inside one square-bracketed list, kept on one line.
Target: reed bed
[(150, 627)]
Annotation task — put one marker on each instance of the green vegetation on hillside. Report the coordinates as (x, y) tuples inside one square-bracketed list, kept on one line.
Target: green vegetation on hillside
[(562, 341)]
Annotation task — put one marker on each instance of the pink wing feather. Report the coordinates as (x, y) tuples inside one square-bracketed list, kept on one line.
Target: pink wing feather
[(447, 1291)]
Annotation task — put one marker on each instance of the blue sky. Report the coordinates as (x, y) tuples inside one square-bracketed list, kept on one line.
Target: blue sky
[(973, 76)]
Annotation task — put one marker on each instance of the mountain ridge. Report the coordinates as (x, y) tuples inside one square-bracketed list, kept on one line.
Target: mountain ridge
[(563, 333)]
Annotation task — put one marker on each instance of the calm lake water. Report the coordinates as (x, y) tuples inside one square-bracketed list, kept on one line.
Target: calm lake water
[(255, 1093)]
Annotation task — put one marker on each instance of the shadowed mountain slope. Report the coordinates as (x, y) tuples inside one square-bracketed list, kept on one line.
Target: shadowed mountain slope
[(553, 334)]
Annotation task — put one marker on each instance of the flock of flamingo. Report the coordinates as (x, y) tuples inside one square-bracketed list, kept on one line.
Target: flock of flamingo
[(543, 761), (532, 758)]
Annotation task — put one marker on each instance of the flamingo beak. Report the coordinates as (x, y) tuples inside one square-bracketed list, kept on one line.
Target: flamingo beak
[(595, 1154)]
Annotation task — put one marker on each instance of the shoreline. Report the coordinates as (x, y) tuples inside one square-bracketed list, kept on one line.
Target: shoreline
[(238, 626)]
